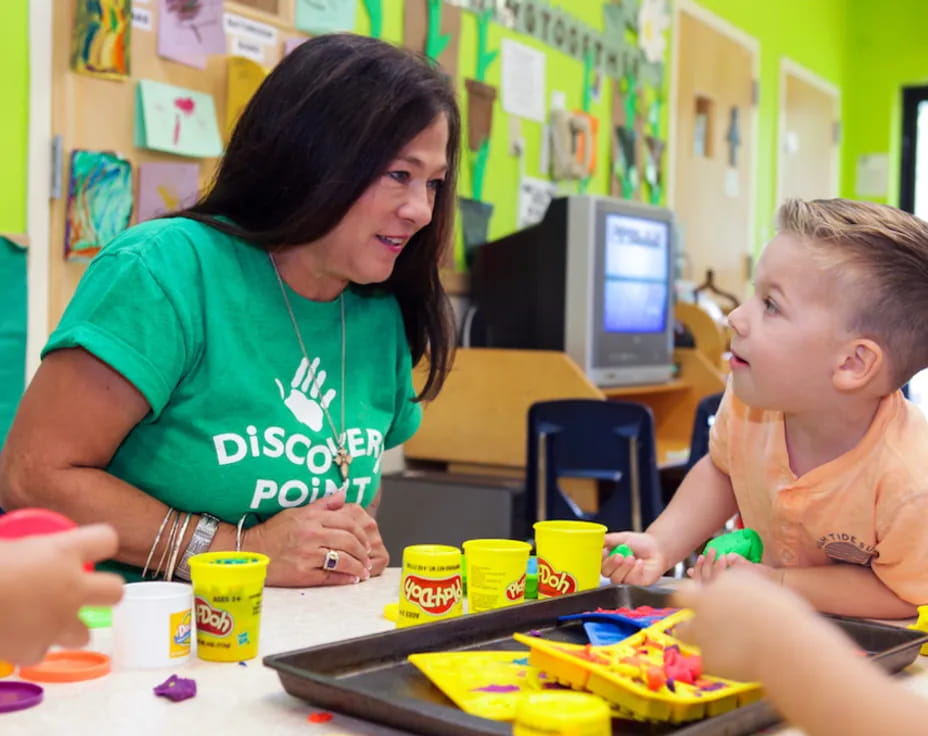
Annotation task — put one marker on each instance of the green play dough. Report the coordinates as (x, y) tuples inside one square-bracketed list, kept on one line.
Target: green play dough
[(622, 549), (744, 542)]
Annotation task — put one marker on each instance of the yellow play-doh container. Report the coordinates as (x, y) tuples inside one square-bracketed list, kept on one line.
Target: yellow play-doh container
[(495, 573), (227, 591), (569, 556), (431, 588), (562, 714), (6, 668)]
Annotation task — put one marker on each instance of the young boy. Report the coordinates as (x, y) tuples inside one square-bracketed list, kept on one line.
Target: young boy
[(814, 444), (750, 629)]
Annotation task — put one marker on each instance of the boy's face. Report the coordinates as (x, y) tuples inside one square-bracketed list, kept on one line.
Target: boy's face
[(787, 336)]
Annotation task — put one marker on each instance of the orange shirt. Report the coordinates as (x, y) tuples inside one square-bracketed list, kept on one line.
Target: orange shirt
[(867, 507)]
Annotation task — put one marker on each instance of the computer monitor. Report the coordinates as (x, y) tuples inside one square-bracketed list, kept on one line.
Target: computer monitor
[(594, 278)]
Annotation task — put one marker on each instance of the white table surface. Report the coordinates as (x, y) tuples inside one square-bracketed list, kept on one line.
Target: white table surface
[(232, 699)]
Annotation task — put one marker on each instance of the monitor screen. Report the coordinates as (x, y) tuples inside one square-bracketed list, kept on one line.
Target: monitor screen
[(636, 274)]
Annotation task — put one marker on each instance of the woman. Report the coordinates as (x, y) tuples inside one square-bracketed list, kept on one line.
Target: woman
[(248, 360)]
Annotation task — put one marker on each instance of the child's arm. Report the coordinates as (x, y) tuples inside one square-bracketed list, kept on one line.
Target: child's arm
[(700, 507), (751, 629), (847, 590)]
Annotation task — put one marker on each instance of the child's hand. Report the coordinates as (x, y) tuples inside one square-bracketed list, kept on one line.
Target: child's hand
[(644, 567), (709, 565), (733, 614), (43, 583)]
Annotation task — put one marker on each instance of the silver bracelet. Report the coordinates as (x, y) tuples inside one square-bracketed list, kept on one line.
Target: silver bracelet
[(240, 531), (202, 538), (169, 570), (167, 545), (154, 545)]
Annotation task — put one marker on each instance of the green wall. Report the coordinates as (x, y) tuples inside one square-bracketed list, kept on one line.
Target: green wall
[(887, 50), (14, 123)]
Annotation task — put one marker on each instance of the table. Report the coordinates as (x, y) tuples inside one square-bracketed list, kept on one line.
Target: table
[(249, 700)]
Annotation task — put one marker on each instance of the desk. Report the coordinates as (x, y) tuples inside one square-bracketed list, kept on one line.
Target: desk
[(232, 699)]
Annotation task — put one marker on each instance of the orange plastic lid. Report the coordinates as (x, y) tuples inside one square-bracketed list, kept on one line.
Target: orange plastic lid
[(67, 666)]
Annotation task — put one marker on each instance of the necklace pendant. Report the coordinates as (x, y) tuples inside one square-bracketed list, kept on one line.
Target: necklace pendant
[(343, 460)]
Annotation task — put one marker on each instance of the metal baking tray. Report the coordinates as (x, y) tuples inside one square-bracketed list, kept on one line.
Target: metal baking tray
[(369, 677)]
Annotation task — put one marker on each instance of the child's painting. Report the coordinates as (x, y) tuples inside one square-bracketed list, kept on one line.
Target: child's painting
[(190, 30), (99, 202), (100, 38), (176, 120), (166, 187)]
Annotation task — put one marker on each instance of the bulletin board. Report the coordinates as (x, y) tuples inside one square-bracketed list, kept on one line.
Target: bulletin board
[(596, 67), (92, 113)]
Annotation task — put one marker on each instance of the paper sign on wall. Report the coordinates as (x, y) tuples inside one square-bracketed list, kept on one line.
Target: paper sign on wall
[(190, 30), (166, 187), (245, 76), (99, 202), (523, 82), (534, 197), (872, 178), (141, 19), (238, 25), (325, 16), (176, 120)]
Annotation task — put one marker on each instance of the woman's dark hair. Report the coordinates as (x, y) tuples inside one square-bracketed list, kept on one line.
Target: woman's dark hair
[(321, 128)]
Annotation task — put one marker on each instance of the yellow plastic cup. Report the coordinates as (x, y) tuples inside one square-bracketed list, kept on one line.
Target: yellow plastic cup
[(562, 714), (227, 591), (569, 556), (431, 588), (495, 573)]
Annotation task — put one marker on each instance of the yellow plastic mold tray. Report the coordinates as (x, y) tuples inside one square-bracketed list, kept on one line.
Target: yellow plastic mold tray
[(650, 676)]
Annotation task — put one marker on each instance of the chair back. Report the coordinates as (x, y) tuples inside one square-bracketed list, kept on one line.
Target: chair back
[(611, 442), (706, 410)]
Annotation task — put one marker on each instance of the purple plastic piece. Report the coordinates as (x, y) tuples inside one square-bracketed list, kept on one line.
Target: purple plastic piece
[(176, 688), (19, 696)]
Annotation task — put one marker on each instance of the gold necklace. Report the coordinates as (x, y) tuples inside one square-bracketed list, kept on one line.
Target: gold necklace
[(342, 458)]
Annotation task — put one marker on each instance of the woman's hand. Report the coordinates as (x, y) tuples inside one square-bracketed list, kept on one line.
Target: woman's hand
[(43, 583), (297, 540)]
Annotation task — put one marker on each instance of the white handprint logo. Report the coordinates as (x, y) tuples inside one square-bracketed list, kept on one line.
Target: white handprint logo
[(304, 400)]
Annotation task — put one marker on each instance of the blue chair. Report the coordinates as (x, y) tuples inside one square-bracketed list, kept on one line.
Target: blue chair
[(611, 442), (706, 410)]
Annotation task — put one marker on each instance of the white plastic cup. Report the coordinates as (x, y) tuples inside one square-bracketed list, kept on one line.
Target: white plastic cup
[(153, 625)]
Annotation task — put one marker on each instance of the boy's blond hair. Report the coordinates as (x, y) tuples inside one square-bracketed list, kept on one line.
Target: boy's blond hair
[(882, 252)]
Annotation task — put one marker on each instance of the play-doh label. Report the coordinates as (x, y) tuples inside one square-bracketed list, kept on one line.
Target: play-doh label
[(435, 596), (554, 582), (180, 627), (516, 589), (213, 621)]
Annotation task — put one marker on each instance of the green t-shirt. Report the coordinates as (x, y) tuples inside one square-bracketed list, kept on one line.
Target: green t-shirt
[(195, 320)]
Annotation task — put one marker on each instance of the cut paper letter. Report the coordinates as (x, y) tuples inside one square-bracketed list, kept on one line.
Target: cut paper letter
[(166, 187), (176, 120), (245, 76), (99, 202), (100, 38), (190, 30), (325, 16)]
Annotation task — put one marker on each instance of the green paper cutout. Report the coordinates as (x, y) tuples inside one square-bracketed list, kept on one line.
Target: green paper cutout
[(631, 100), (374, 10), (435, 43), (587, 86), (484, 57), (478, 169)]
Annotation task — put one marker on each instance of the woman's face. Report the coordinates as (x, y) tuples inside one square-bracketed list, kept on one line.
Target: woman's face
[(364, 246)]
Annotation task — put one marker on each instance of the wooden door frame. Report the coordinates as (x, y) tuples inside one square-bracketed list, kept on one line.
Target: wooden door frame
[(788, 66), (39, 176), (693, 9)]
